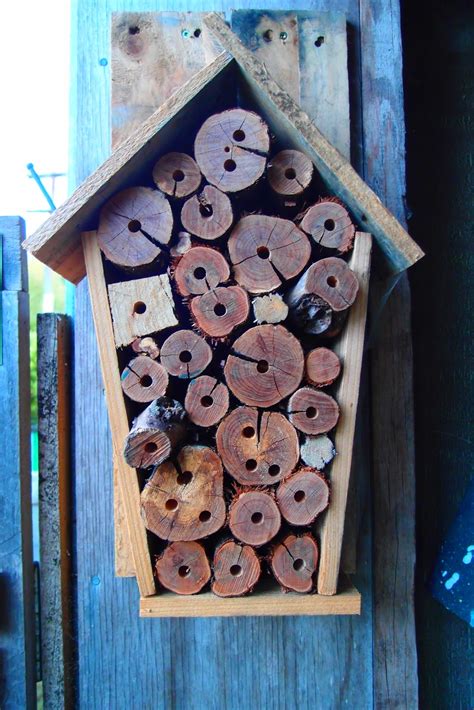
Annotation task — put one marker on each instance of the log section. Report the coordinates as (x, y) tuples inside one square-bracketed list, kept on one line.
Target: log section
[(254, 517), (269, 309), (330, 225), (257, 448), (155, 433), (303, 496), (313, 412), (183, 568), (236, 569), (317, 451), (289, 173), (185, 354), (322, 367), (294, 562), (330, 279), (207, 401), (146, 346), (217, 313), (177, 175), (201, 269), (144, 379), (207, 215)]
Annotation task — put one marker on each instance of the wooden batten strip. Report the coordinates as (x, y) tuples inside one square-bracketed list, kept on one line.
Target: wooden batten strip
[(126, 476), (336, 171), (350, 349)]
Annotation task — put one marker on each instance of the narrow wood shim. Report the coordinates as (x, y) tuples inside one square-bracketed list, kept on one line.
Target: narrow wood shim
[(350, 349), (127, 478), (335, 170)]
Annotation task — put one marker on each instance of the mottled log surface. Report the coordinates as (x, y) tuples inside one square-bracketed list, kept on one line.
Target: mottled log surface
[(201, 269), (322, 367), (265, 365), (236, 569), (317, 451), (312, 411), (231, 149), (206, 401), (218, 312), (183, 568), (257, 448), (177, 174), (303, 496), (330, 225), (144, 379), (155, 433), (294, 562), (183, 499), (185, 354), (209, 214), (254, 517)]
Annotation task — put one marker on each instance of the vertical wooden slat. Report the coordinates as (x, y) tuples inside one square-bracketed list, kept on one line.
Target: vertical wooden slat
[(17, 628), (54, 364)]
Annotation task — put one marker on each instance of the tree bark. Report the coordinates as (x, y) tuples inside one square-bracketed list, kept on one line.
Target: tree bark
[(155, 433), (183, 568), (330, 225), (144, 379), (200, 270), (257, 448), (208, 215), (303, 496), (134, 226), (294, 562), (265, 365), (254, 517), (231, 149), (177, 175), (185, 354), (217, 313), (207, 401), (266, 251), (322, 367), (236, 569), (313, 412)]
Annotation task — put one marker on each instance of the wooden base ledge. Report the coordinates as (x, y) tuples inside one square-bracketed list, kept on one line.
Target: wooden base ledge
[(271, 603)]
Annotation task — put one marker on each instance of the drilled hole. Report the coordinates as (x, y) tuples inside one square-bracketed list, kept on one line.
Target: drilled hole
[(204, 516), (134, 225), (284, 35), (200, 273), (146, 381), (238, 135), (298, 564), (290, 173), (299, 496), (268, 35), (171, 504), (329, 225), (184, 571), (248, 432), (139, 307), (151, 447), (311, 412), (207, 401), (227, 149), (134, 30), (206, 210), (318, 42), (274, 469), (250, 464), (263, 252), (230, 165), (256, 518), (220, 309), (331, 281), (197, 32), (262, 366), (178, 176), (185, 356), (184, 478), (236, 570)]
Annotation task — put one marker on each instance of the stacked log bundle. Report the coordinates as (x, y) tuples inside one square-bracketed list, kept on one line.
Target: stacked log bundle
[(225, 320)]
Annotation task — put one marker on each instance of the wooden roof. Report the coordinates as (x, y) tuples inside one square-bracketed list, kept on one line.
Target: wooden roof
[(58, 242)]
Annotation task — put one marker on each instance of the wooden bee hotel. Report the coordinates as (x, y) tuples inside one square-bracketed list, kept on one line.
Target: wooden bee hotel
[(227, 246)]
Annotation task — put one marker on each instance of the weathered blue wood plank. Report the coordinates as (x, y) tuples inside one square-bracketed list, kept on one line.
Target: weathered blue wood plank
[(17, 634)]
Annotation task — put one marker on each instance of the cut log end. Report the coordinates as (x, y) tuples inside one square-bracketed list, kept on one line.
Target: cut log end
[(257, 448), (317, 451), (217, 313), (303, 496), (322, 367), (265, 366), (294, 562), (289, 173), (207, 401), (208, 215), (269, 309), (254, 517), (313, 412), (144, 379), (177, 175), (200, 270), (183, 568), (183, 500), (185, 354), (330, 225), (236, 569), (155, 433), (231, 149)]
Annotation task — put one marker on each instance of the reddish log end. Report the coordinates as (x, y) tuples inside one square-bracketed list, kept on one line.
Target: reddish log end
[(322, 367), (313, 412), (177, 174), (155, 433), (257, 448), (200, 270), (207, 215), (184, 501), (265, 366), (207, 401), (231, 149), (183, 568), (329, 224), (254, 517), (144, 379), (294, 562), (236, 569), (303, 496), (185, 354), (216, 313), (290, 173), (332, 280)]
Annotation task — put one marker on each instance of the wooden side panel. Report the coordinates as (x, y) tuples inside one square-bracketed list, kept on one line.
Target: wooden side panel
[(55, 512), (17, 627)]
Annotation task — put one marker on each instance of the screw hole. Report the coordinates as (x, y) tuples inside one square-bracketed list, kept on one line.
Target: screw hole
[(238, 135), (262, 366), (263, 252), (236, 570), (134, 225), (184, 571), (184, 478), (248, 432), (178, 176), (206, 210), (227, 149), (299, 496), (331, 281), (197, 32), (290, 173), (207, 401), (151, 447), (274, 469), (250, 464), (185, 356), (199, 273), (220, 309), (298, 564), (284, 36), (186, 34), (256, 518), (171, 504), (318, 42), (146, 381), (268, 35), (204, 516), (311, 412), (139, 307), (230, 165), (134, 30), (329, 225)]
